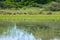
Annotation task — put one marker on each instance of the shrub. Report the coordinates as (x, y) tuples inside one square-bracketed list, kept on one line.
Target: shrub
[(49, 13), (56, 0), (43, 1), (36, 5), (54, 6)]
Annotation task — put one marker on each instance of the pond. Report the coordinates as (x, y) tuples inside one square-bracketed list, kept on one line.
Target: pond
[(29, 30)]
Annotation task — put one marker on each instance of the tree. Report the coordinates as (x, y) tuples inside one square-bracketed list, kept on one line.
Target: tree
[(42, 1), (57, 1), (2, 0)]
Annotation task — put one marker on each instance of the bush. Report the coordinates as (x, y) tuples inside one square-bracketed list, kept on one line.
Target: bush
[(4, 6), (56, 0), (54, 6), (43, 1), (36, 5)]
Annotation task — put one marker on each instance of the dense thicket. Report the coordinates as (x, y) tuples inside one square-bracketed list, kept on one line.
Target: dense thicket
[(22, 3)]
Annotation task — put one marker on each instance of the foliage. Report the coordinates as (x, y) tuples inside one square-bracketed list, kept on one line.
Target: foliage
[(20, 3), (8, 4), (54, 6), (56, 0)]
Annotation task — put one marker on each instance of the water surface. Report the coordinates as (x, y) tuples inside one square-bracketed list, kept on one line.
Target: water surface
[(30, 30)]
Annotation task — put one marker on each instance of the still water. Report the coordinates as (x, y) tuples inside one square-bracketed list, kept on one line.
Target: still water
[(30, 30), (17, 34)]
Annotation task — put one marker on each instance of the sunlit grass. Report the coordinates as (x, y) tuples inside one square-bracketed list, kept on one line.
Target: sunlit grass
[(30, 16)]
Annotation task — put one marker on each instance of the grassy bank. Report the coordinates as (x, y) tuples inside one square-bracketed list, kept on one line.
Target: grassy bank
[(29, 16)]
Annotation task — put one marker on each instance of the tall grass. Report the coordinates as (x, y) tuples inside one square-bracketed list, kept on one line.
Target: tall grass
[(26, 11)]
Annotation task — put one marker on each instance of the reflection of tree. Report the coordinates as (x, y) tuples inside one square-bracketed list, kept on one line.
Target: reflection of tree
[(4, 25), (44, 29)]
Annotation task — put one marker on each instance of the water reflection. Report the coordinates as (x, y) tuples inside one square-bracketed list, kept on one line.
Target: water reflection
[(30, 30), (55, 39), (17, 34)]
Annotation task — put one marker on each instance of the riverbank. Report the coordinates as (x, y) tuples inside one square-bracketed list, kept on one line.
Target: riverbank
[(30, 16)]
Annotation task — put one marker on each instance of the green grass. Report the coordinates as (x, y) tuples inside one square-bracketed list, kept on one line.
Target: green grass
[(29, 16)]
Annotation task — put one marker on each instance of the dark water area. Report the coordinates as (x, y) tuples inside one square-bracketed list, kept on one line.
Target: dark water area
[(28, 29)]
